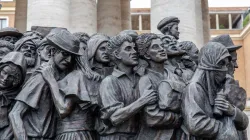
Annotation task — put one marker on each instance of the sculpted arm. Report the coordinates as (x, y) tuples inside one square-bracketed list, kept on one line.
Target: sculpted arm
[(114, 110), (16, 121), (153, 115)]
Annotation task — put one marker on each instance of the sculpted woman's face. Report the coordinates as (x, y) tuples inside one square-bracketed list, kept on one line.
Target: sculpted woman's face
[(220, 76), (156, 51), (101, 55), (8, 75)]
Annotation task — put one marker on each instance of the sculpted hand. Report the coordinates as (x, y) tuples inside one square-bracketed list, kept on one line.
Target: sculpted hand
[(47, 72), (150, 97), (225, 106)]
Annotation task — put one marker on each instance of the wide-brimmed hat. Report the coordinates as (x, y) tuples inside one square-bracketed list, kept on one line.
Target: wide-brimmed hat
[(9, 31), (166, 21), (66, 41), (226, 41)]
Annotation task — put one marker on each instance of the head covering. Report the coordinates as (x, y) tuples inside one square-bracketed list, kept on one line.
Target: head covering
[(21, 41), (18, 59), (10, 31), (226, 41), (65, 40), (164, 22), (211, 54), (94, 42)]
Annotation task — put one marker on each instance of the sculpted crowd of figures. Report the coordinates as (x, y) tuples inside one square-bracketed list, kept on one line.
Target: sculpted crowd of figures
[(64, 86)]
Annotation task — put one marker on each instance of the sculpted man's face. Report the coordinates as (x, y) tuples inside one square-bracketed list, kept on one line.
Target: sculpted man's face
[(63, 60), (8, 76), (29, 51), (10, 39), (157, 52), (4, 51), (233, 63), (174, 31), (45, 53), (101, 55), (128, 54)]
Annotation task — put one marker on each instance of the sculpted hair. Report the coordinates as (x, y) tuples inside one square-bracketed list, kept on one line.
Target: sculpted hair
[(167, 28), (115, 43), (144, 41), (83, 37)]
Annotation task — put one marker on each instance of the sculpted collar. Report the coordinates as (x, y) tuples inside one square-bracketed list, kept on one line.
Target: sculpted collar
[(117, 73)]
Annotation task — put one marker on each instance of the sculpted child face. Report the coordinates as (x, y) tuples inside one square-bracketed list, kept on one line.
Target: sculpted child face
[(156, 51), (174, 31), (128, 54), (101, 55), (45, 53), (9, 75)]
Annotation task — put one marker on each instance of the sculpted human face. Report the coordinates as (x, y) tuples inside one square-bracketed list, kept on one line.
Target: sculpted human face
[(63, 60), (220, 76), (7, 76), (174, 31), (233, 63), (128, 54), (4, 51), (45, 53), (101, 55), (29, 51), (10, 39), (156, 52)]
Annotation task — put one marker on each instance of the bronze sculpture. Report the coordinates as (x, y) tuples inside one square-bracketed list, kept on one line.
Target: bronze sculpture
[(12, 75), (201, 98), (10, 34), (33, 115), (125, 87), (119, 93), (161, 119)]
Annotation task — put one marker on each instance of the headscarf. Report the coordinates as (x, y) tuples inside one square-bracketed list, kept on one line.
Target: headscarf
[(20, 42), (94, 42), (210, 55), (17, 59)]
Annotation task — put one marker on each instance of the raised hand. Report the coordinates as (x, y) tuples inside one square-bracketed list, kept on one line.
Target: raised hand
[(47, 72)]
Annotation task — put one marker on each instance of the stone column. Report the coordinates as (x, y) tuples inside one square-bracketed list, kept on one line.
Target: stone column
[(217, 22), (21, 15), (125, 15), (109, 17), (50, 13), (230, 21), (189, 13), (206, 20), (140, 22), (83, 16)]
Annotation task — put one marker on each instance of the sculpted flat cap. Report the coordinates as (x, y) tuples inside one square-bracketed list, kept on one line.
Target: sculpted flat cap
[(9, 31), (66, 41), (226, 41), (166, 21)]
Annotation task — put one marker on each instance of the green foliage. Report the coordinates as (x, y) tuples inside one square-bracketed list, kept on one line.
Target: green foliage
[(246, 20), (222, 27)]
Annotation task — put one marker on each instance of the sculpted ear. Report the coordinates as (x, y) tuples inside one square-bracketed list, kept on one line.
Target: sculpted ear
[(116, 54)]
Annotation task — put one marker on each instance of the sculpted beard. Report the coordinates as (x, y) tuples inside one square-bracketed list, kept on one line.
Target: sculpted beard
[(31, 61)]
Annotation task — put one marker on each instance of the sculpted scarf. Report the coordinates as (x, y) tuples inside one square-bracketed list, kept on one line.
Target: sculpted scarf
[(210, 55)]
